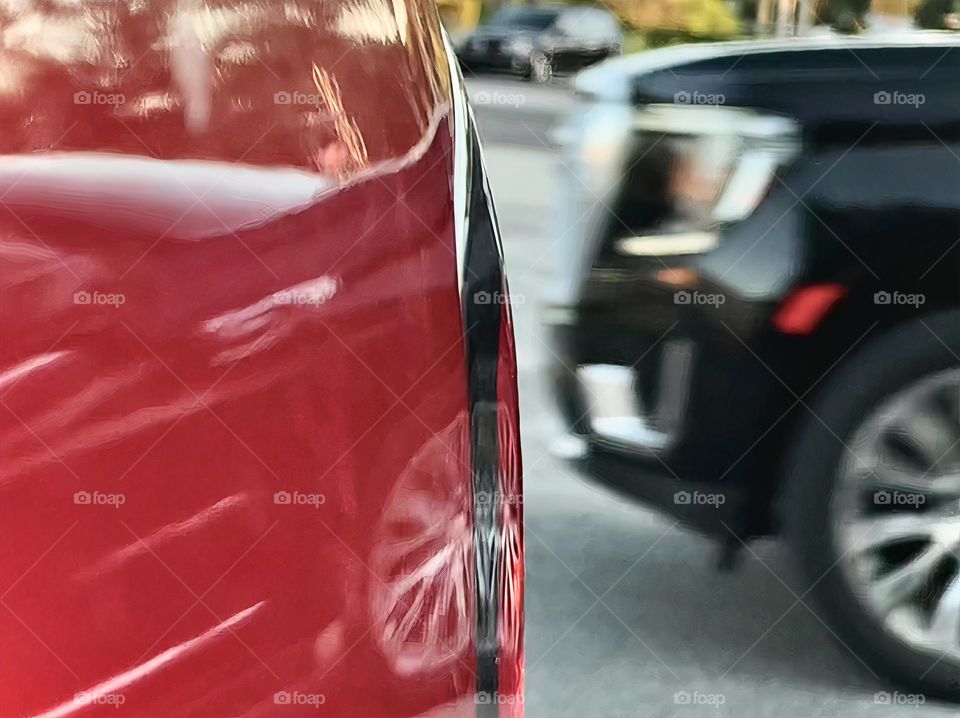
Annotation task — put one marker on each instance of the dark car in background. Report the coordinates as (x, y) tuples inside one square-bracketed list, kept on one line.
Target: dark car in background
[(539, 41), (757, 316)]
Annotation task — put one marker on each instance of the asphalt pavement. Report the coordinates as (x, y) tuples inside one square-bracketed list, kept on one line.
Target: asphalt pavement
[(627, 616)]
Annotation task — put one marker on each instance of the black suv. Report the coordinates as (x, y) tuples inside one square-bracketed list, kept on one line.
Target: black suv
[(757, 316), (538, 41)]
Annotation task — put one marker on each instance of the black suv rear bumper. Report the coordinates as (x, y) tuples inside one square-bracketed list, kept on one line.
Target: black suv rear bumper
[(698, 444)]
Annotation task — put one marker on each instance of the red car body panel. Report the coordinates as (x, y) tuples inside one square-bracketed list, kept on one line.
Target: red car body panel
[(235, 395)]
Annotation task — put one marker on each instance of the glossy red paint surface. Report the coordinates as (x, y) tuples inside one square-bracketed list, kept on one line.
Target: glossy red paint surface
[(234, 430), (511, 523)]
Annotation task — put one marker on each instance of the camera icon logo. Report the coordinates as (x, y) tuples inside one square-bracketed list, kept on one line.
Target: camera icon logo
[(82, 498), (882, 98), (282, 98), (82, 97), (681, 97), (881, 498), (681, 498), (282, 698), (682, 297), (482, 297), (882, 298), (282, 498)]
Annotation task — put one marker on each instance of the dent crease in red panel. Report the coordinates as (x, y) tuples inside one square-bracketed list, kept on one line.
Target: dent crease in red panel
[(234, 429)]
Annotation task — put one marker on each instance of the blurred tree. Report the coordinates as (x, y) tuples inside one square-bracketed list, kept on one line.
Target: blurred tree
[(651, 23), (659, 21), (667, 21), (938, 15), (848, 16), (853, 16), (459, 15)]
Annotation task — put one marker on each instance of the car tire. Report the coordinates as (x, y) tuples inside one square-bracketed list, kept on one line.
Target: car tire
[(541, 67), (853, 585)]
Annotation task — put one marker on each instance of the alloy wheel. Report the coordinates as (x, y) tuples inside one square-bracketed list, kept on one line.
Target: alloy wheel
[(896, 515)]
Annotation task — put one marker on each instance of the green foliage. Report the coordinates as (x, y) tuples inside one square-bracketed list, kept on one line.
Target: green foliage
[(634, 41), (669, 22), (709, 18), (656, 23)]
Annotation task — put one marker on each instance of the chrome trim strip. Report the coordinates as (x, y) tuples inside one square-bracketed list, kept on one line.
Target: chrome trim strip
[(483, 273), (667, 245), (701, 120), (631, 428), (480, 269)]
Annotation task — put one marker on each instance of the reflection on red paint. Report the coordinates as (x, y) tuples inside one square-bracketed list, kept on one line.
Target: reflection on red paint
[(232, 369)]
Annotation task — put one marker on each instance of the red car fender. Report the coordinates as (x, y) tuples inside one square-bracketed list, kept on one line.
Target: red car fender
[(258, 414)]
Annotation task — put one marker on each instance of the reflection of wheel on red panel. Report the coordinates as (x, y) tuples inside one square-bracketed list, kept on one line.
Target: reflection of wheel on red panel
[(421, 608)]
